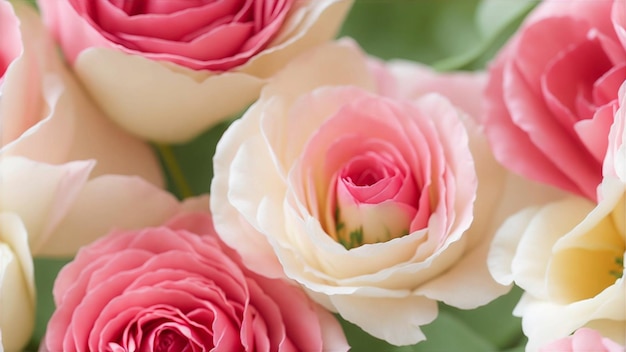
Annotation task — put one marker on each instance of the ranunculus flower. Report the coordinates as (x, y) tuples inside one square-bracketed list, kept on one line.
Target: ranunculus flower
[(17, 285), (583, 340), (552, 92), (568, 257), (177, 288), (186, 64), (359, 194)]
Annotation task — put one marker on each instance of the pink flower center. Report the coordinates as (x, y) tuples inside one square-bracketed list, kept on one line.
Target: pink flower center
[(168, 340)]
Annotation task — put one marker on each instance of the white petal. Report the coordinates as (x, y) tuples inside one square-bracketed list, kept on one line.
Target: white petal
[(158, 102), (17, 287), (398, 319)]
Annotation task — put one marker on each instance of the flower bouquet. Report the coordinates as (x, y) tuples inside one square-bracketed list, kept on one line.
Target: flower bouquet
[(312, 175)]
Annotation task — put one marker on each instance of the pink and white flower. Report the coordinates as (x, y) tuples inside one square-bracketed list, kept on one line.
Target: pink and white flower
[(360, 186), (186, 65)]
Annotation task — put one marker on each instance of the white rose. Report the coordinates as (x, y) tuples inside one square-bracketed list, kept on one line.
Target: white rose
[(17, 285)]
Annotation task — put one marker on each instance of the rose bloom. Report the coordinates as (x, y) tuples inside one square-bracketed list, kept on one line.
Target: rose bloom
[(17, 284), (568, 256), (583, 340), (553, 89), (186, 64), (177, 288), (364, 198)]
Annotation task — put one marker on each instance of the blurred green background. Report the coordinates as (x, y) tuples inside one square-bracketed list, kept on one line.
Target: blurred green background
[(447, 34)]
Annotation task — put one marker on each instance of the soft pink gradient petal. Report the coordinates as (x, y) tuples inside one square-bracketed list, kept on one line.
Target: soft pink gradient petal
[(11, 37), (543, 121)]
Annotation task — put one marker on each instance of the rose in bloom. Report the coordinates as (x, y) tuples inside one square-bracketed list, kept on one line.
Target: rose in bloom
[(186, 64), (17, 285), (568, 256), (177, 288), (553, 89), (583, 340), (337, 180)]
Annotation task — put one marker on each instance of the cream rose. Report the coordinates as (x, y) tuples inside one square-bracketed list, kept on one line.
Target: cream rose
[(362, 189), (17, 285), (568, 256), (170, 85)]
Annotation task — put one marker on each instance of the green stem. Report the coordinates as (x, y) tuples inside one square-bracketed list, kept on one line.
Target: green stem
[(174, 170)]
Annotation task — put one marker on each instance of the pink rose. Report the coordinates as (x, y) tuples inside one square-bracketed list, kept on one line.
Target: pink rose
[(583, 340), (176, 287), (552, 92), (356, 180), (186, 64)]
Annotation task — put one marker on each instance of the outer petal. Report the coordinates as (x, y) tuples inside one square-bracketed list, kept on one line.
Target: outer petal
[(118, 202), (63, 209), (162, 102), (398, 319), (41, 194), (17, 284), (408, 80)]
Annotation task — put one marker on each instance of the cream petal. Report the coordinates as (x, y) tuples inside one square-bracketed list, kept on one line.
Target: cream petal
[(544, 321), (232, 227), (330, 64), (412, 80), (312, 25), (398, 319), (17, 286), (40, 193), (535, 248), (113, 202), (470, 275), (158, 101), (504, 245)]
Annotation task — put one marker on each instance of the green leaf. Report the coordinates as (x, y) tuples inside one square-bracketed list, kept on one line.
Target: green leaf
[(194, 160), (424, 31)]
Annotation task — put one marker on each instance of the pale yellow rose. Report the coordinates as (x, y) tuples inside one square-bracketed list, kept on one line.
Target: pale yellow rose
[(17, 286), (568, 257)]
